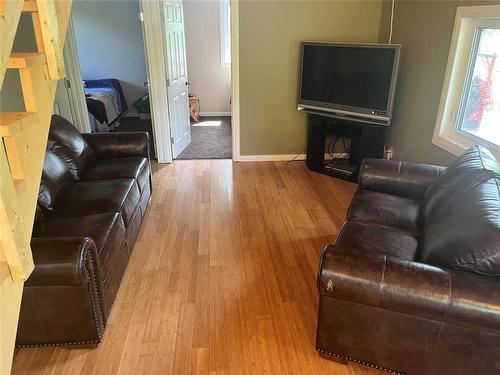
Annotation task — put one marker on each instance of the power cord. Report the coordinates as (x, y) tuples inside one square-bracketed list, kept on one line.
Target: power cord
[(392, 21)]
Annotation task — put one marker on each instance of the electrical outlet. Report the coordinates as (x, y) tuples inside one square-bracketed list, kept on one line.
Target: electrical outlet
[(388, 152)]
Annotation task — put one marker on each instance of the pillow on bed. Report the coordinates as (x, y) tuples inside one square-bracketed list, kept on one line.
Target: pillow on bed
[(67, 143)]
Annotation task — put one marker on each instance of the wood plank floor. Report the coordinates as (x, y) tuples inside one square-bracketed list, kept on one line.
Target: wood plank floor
[(222, 278)]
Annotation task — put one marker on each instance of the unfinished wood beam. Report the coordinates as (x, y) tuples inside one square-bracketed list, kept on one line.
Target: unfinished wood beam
[(15, 241), (30, 6), (52, 42), (25, 60), (10, 12), (14, 160), (13, 122), (35, 18)]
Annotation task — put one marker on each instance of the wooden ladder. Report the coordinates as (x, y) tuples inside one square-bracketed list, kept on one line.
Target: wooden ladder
[(22, 150)]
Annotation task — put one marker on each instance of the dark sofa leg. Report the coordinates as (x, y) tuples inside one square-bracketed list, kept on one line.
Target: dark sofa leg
[(333, 358)]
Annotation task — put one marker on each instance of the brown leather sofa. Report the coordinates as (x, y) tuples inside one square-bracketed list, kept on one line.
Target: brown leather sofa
[(94, 192), (412, 282)]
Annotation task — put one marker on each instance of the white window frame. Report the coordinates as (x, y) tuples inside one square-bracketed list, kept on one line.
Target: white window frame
[(225, 31), (446, 135)]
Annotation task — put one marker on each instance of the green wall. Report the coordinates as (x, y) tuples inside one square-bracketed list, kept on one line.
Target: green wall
[(424, 28), (270, 36)]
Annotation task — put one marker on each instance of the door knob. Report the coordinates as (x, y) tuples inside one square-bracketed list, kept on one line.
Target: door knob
[(188, 83)]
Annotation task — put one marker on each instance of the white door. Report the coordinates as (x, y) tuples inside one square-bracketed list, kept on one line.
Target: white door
[(177, 80), (62, 106)]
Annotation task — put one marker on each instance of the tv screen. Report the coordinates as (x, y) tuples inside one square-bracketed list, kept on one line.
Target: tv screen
[(355, 80)]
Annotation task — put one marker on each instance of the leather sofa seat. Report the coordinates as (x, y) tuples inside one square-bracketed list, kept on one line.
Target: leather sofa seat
[(375, 238), (386, 209), (129, 167), (93, 197)]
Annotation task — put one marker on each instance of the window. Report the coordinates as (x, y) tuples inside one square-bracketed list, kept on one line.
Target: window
[(225, 32), (469, 111)]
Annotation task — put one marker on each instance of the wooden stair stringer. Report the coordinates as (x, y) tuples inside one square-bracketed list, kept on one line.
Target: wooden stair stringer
[(22, 151), (10, 13), (23, 147)]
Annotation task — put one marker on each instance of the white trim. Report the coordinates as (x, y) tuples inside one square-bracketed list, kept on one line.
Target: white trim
[(76, 95), (284, 157), (157, 77), (213, 114), (445, 134), (235, 78), (222, 31)]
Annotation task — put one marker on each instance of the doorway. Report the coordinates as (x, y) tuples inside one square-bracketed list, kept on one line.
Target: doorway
[(106, 69), (169, 116), (208, 54), (168, 61)]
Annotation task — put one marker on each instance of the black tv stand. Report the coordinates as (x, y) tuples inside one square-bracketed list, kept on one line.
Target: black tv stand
[(366, 141)]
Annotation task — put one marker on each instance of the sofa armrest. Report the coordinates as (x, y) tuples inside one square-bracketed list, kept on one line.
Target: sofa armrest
[(453, 297), (62, 260), (62, 301), (116, 145), (398, 178)]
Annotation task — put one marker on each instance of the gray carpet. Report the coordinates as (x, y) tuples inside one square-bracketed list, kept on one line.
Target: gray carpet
[(210, 142)]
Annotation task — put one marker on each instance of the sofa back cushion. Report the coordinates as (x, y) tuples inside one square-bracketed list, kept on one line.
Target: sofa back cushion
[(474, 165), (67, 142), (461, 211), (56, 178)]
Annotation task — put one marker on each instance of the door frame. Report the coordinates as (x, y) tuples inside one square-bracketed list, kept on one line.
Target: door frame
[(157, 76), (75, 92), (235, 78), (152, 11)]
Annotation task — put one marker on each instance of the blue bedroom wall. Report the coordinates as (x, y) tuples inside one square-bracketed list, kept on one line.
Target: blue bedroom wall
[(110, 44)]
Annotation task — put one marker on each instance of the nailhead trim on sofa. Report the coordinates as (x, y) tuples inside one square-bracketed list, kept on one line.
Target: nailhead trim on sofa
[(360, 362)]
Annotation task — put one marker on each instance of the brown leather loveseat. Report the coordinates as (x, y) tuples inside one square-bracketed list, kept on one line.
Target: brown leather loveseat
[(93, 195), (412, 283)]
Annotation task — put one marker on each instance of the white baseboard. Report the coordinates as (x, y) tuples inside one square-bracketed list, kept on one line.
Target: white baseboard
[(285, 157), (213, 114)]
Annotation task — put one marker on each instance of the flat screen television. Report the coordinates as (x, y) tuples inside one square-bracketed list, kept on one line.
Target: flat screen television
[(354, 81)]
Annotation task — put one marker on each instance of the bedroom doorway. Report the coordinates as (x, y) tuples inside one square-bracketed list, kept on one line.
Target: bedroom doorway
[(152, 41), (106, 63)]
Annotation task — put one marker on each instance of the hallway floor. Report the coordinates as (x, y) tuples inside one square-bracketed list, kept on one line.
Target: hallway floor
[(208, 141)]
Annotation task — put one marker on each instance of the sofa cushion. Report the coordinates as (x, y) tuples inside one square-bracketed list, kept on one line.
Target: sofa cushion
[(476, 164), (127, 167), (386, 209), (107, 230), (464, 233), (93, 197), (67, 142), (56, 178), (372, 238)]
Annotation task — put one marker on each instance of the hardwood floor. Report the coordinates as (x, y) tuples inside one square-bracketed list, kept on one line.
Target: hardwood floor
[(222, 279)]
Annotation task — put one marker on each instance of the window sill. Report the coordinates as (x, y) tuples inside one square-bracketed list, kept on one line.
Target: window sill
[(457, 143)]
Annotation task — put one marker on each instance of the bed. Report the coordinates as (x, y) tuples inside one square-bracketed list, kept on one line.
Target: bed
[(105, 102)]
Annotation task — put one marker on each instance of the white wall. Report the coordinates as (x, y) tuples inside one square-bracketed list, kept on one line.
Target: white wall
[(110, 45), (210, 82)]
